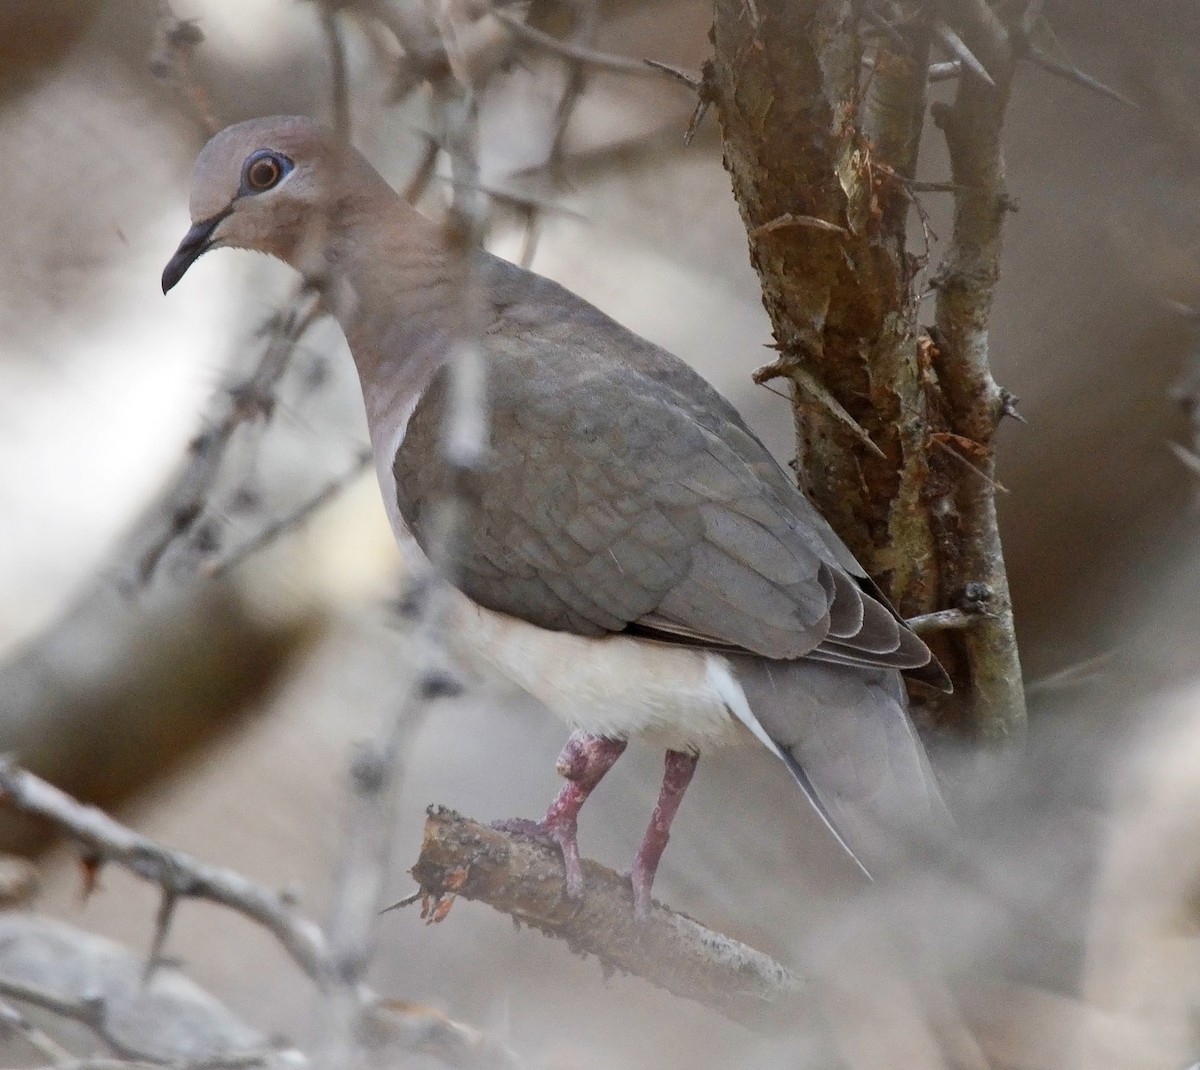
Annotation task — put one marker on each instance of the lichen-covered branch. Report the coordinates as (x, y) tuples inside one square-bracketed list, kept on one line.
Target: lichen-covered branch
[(523, 878)]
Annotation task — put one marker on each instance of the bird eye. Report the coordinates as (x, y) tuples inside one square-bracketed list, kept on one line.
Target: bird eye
[(264, 170)]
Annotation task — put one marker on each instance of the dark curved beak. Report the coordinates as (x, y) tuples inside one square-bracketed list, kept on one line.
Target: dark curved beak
[(196, 242)]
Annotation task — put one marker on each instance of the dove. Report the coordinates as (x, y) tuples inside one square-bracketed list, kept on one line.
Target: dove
[(631, 554)]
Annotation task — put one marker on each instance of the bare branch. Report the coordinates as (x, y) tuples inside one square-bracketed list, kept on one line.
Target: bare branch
[(524, 879), (376, 774), (109, 841), (407, 1026), (577, 53)]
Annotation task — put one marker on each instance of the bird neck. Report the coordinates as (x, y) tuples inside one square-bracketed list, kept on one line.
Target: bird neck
[(395, 292)]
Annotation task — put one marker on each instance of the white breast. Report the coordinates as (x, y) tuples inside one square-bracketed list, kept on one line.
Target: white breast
[(675, 698)]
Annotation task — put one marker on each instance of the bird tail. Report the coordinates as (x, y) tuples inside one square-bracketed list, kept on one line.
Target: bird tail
[(845, 735)]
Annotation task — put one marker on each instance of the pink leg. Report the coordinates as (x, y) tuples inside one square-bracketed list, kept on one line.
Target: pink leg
[(583, 761), (676, 777)]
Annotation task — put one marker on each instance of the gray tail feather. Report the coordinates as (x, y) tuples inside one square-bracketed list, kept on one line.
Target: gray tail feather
[(814, 797), (846, 737)]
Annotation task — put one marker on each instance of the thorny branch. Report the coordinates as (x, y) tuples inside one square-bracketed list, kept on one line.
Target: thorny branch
[(522, 878), (965, 508)]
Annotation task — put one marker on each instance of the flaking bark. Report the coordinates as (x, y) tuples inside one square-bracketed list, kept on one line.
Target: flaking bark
[(819, 150)]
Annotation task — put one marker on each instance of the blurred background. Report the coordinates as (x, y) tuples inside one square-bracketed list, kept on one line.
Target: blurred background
[(215, 705)]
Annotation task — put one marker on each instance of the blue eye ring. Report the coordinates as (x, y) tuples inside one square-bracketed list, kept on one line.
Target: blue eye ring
[(264, 170)]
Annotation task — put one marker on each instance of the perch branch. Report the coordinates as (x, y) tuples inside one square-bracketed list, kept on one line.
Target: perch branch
[(524, 879)]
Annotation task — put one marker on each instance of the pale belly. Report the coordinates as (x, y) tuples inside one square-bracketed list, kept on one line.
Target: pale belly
[(673, 697)]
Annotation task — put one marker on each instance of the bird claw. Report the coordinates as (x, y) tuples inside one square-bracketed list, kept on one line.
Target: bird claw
[(552, 834)]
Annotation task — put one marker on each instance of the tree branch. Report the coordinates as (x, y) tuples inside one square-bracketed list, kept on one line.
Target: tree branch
[(975, 404), (407, 1026), (806, 136), (523, 878), (841, 301)]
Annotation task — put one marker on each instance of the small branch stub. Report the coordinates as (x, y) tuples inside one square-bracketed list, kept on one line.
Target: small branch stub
[(524, 879)]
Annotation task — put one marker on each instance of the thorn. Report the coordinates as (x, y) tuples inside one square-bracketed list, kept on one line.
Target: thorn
[(1186, 457), (1090, 670), (1008, 406), (790, 368), (407, 901), (943, 72), (789, 219), (956, 45), (940, 439), (694, 82), (695, 121), (162, 925), (942, 620), (1040, 58), (706, 95)]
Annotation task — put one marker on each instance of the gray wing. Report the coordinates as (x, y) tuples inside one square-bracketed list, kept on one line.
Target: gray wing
[(624, 493)]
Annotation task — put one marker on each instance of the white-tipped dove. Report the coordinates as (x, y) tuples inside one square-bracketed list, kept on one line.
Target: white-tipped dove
[(633, 557)]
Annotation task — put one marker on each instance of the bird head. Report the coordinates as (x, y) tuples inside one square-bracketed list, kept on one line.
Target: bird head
[(262, 185)]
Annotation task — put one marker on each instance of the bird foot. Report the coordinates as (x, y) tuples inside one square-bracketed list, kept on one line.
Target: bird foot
[(552, 833)]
